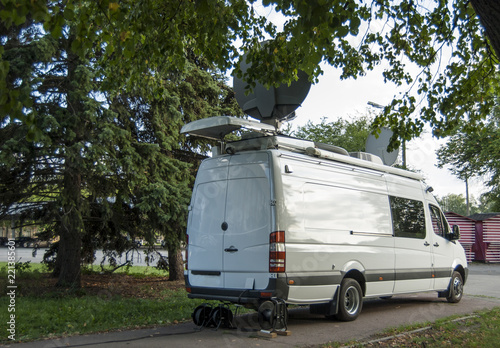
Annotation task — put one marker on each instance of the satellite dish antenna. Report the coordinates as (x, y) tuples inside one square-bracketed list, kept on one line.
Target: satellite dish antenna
[(378, 146), (273, 105)]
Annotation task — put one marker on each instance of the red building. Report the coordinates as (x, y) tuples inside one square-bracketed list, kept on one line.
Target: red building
[(480, 235), (467, 233), (487, 236)]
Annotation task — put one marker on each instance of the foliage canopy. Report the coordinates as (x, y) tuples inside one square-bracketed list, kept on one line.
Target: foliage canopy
[(350, 135), (138, 37)]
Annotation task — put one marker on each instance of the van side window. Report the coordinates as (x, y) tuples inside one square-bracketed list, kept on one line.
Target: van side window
[(336, 208), (438, 223), (408, 217)]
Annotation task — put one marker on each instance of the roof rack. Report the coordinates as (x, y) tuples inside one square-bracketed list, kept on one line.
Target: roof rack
[(264, 136)]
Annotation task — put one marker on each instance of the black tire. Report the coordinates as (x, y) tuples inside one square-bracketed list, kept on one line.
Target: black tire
[(456, 290), (201, 315), (266, 315), (221, 317), (350, 300)]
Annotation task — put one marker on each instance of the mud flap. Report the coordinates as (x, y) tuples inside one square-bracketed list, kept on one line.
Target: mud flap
[(328, 309)]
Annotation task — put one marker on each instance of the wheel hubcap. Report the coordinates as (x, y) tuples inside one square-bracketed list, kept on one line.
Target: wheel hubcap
[(457, 287), (351, 300)]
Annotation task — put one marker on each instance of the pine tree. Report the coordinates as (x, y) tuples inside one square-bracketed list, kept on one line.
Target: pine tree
[(50, 174), (108, 161)]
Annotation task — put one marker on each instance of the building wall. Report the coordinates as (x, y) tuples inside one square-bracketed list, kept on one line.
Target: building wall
[(27, 231), (467, 232), (480, 235), (491, 236)]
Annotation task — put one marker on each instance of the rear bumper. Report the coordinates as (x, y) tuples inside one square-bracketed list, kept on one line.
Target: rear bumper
[(276, 288)]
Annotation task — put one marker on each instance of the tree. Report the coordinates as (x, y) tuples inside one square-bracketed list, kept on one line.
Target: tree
[(476, 153), (138, 41), (488, 202), (50, 170), (488, 13), (350, 135), (350, 35), (456, 203), (105, 163), (86, 152)]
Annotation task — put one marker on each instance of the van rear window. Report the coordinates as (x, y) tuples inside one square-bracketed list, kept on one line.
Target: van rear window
[(408, 217)]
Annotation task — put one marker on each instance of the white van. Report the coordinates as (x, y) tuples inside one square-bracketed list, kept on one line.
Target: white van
[(275, 220)]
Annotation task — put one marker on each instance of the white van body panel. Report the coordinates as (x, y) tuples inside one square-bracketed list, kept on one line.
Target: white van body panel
[(322, 238), (339, 217), (311, 294)]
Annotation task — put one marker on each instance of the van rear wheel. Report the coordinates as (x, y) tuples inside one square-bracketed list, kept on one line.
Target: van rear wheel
[(350, 300)]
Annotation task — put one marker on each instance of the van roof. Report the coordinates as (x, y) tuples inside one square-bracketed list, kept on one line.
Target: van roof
[(266, 137)]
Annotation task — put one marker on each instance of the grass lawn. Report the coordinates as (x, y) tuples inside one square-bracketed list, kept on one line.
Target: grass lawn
[(129, 298)]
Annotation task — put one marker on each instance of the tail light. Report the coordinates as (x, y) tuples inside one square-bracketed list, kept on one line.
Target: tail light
[(277, 254)]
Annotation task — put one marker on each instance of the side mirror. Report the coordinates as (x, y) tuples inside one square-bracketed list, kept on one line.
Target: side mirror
[(455, 234)]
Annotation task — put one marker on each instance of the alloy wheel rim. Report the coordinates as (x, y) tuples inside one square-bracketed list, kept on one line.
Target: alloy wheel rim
[(351, 300), (457, 287)]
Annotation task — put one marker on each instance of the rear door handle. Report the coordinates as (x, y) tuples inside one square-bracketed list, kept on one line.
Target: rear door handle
[(436, 244)]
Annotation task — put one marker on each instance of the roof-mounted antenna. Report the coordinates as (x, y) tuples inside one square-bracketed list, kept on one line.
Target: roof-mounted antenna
[(378, 146), (274, 105)]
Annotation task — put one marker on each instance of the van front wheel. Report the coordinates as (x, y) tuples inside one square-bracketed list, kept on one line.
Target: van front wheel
[(350, 300), (456, 288)]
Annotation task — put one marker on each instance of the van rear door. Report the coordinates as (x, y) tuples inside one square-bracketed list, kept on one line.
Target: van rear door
[(206, 213), (248, 218), (230, 223)]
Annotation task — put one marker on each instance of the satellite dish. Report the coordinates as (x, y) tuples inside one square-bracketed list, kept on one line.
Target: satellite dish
[(378, 146), (274, 104)]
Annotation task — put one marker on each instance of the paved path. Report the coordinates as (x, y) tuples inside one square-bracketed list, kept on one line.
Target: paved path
[(307, 330)]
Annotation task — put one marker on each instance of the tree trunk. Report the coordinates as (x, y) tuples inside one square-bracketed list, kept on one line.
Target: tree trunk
[(71, 224), (175, 264), (70, 244), (488, 12), (68, 258)]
